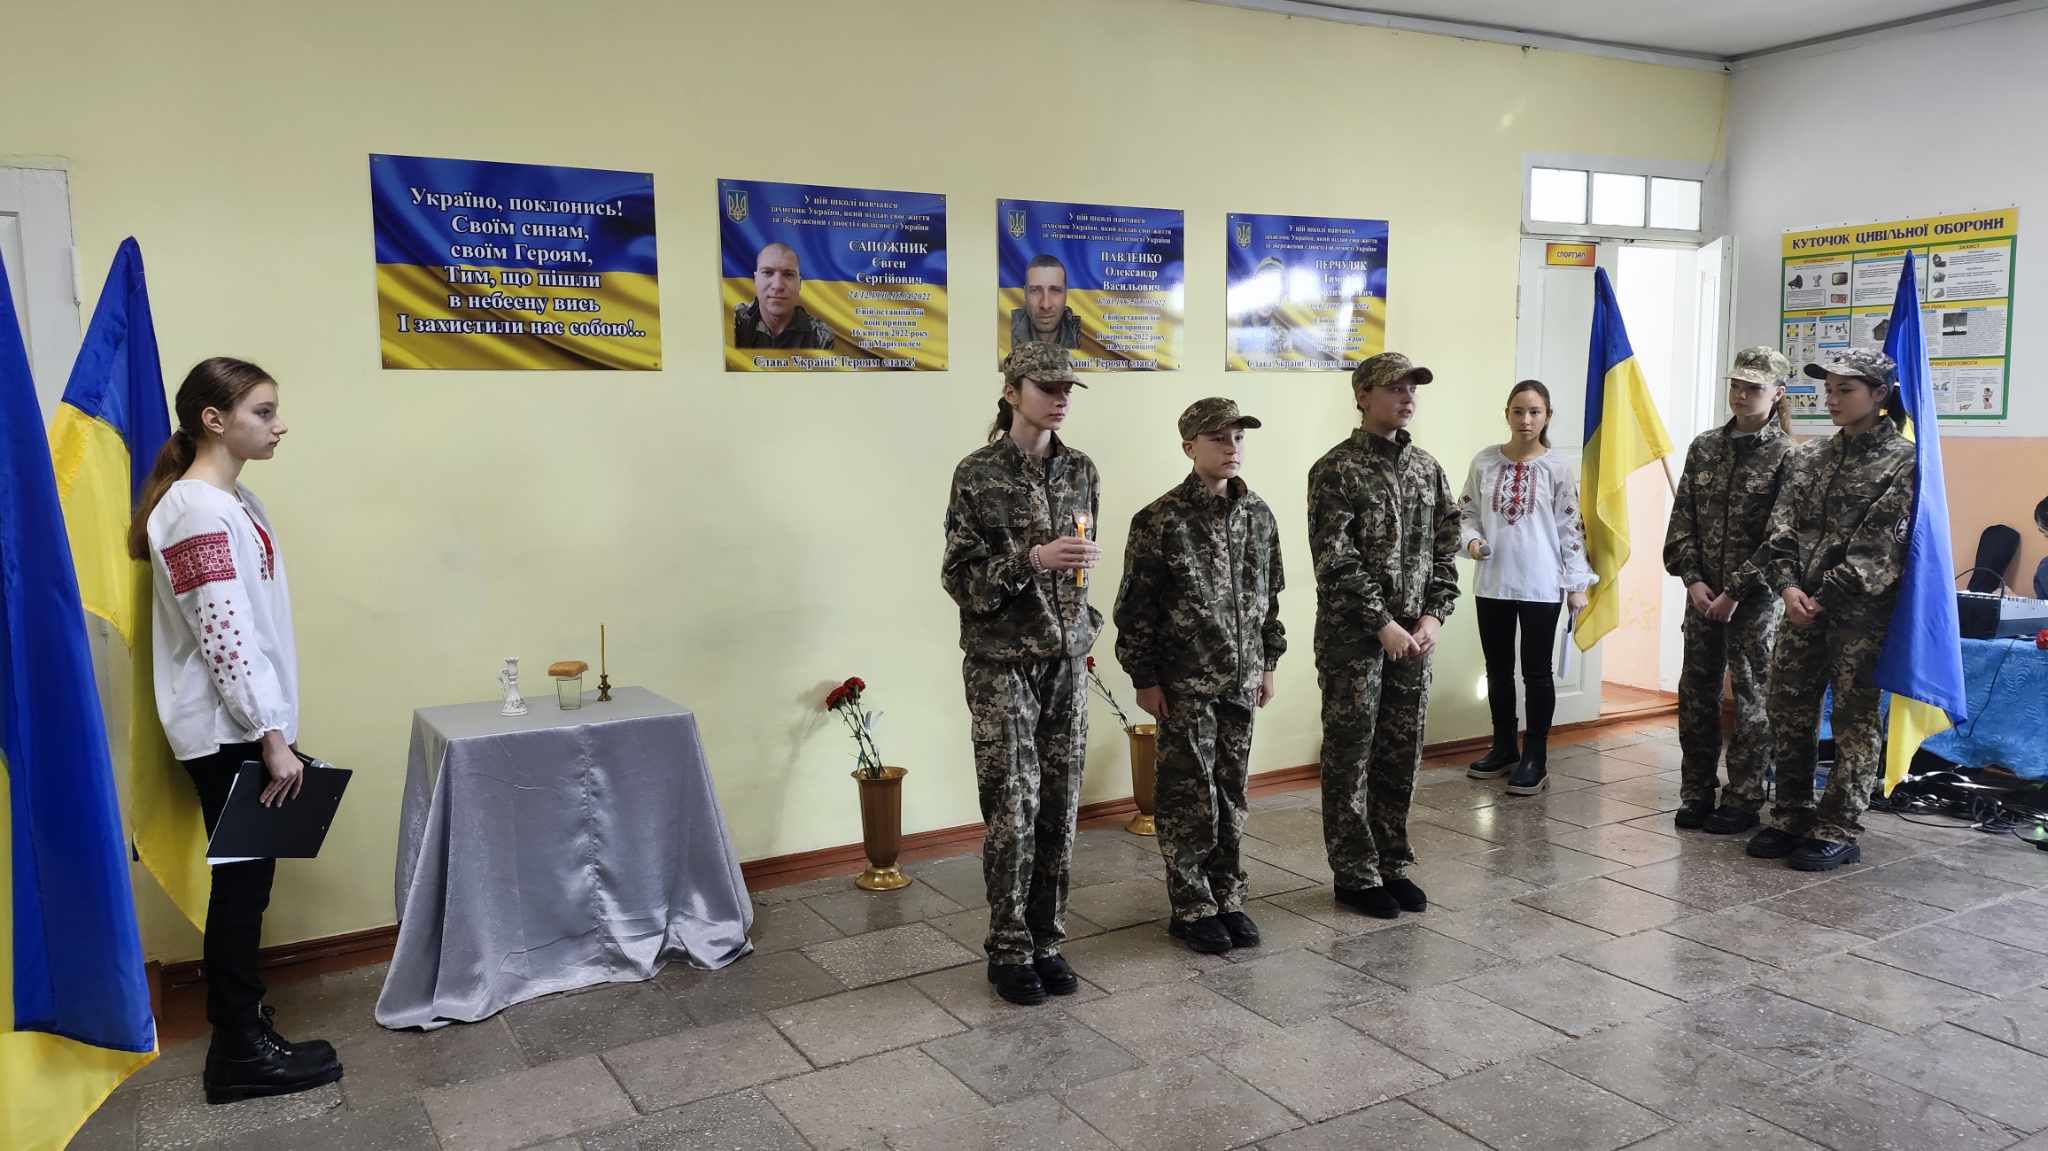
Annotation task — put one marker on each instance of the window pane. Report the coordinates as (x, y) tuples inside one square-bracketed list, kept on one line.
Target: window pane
[(1617, 200), (1557, 195), (1675, 204)]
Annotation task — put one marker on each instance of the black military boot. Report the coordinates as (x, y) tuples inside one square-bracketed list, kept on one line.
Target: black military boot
[(1377, 902), (1056, 974), (318, 1049), (1532, 775), (1693, 815), (1823, 855), (250, 1061), (1773, 843), (1017, 982), (1243, 932), (1499, 761), (1206, 935), (1728, 820), (1407, 894)]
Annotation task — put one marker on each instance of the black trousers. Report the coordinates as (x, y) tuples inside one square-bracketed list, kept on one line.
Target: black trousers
[(241, 893), (1498, 619)]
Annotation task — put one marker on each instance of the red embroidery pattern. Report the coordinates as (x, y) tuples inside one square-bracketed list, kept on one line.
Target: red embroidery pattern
[(220, 645), (1514, 493), (199, 561), (269, 552)]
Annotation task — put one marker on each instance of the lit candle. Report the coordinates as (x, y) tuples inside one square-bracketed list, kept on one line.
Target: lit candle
[(1081, 530)]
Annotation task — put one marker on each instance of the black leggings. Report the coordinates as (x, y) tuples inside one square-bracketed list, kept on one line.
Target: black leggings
[(1498, 619), (241, 893)]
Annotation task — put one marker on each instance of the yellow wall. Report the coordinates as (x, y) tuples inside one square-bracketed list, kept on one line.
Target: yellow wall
[(751, 539)]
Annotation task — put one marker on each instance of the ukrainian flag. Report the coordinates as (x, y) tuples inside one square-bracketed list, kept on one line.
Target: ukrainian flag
[(1623, 433), (104, 440), (1922, 662), (74, 1006)]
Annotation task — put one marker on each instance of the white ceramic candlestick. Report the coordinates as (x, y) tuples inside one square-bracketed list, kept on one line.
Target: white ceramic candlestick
[(508, 678)]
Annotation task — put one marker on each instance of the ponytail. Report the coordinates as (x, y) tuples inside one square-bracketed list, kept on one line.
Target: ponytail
[(1782, 411), (1895, 408), (1004, 415), (218, 383), (172, 461)]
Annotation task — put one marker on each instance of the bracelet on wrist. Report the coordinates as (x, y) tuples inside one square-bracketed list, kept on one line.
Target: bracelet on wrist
[(1037, 565)]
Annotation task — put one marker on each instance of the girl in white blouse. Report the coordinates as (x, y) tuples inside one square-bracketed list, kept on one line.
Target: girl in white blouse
[(1520, 519), (227, 690)]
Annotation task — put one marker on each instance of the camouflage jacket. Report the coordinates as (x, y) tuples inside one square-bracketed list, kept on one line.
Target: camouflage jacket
[(1838, 530), (804, 330), (1004, 503), (1066, 335), (1723, 507), (1383, 530), (1199, 610)]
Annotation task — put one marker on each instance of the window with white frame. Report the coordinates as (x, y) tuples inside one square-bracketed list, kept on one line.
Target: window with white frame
[(1612, 200)]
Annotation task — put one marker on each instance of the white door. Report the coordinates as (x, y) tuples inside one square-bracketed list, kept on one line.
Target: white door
[(35, 241)]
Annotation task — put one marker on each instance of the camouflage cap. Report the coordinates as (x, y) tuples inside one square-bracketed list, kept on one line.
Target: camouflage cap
[(1045, 363), (1761, 365), (1388, 368), (1213, 415), (1863, 363)]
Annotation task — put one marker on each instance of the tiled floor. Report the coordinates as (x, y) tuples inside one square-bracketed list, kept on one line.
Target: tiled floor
[(1586, 978)]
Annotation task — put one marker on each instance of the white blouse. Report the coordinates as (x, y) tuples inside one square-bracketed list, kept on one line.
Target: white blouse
[(1528, 512), (227, 669)]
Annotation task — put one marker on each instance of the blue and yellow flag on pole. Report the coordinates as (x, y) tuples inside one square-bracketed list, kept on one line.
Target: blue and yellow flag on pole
[(1623, 433), (103, 440), (74, 1005), (1922, 662)]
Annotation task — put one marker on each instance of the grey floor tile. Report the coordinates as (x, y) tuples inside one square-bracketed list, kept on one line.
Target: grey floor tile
[(527, 1106), (1928, 880), (1970, 1070), (1966, 960), (1458, 885), (896, 953), (1655, 754), (1137, 957), (1589, 810), (399, 1125), (332, 1005), (1311, 863), (1676, 1074), (1452, 1031), (1629, 846), (966, 994), (1571, 997), (1727, 1130), (969, 928), (2019, 922), (1036, 1124), (564, 1026), (183, 1059), (1934, 832), (1499, 824), (1452, 792), (1280, 930), (787, 926), (1320, 905), (1045, 1052), (791, 892), (1290, 827), (1677, 967), (1290, 987), (1532, 1106), (1396, 1125), (1278, 801), (1121, 904), (1657, 794), (1702, 881), (1602, 769), (1413, 957), (842, 1028), (756, 983), (1171, 1020), (1765, 936), (702, 1062), (1185, 1105), (1112, 860), (859, 912), (1516, 931), (385, 1066), (1431, 841), (1861, 909), (1263, 880), (2021, 1021), (1875, 993), (1605, 905), (111, 1127), (1544, 864), (1322, 1069), (175, 1114), (960, 879), (744, 1121), (1855, 1109), (2008, 859), (863, 1102), (1785, 1033)]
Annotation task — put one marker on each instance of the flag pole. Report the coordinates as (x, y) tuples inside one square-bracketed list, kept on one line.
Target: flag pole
[(1669, 481)]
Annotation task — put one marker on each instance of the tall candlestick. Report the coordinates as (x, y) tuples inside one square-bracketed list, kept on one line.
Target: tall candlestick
[(601, 669)]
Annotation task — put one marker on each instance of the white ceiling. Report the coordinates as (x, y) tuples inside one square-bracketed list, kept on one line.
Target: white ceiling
[(1720, 29)]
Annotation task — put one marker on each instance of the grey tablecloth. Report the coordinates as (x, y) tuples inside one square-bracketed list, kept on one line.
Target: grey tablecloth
[(556, 850)]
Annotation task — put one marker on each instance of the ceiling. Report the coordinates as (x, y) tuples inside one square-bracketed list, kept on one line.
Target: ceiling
[(1718, 29)]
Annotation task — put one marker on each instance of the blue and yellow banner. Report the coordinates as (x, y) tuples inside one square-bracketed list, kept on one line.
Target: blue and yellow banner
[(1105, 281), (1623, 433), (515, 267), (1305, 293), (821, 279)]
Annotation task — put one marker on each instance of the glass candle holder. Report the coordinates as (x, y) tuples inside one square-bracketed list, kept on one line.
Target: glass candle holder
[(569, 691)]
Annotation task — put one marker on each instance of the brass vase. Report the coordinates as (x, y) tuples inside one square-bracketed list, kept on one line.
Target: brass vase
[(881, 829), (1144, 759)]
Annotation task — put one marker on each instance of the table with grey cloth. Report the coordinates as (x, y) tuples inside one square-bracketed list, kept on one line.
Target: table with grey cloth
[(556, 850)]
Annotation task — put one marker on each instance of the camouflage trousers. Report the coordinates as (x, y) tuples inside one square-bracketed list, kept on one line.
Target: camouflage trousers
[(1205, 750), (1372, 748), (1030, 723), (1741, 648), (1839, 651)]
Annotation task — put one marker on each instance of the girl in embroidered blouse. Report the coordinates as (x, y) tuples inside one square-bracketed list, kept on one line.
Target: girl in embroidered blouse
[(226, 673), (1520, 516)]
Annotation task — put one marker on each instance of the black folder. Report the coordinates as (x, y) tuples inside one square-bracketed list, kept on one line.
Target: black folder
[(293, 830)]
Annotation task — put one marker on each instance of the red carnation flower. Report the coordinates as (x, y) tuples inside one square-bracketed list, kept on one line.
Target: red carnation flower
[(855, 684), (836, 697), (2041, 640), (1091, 663)]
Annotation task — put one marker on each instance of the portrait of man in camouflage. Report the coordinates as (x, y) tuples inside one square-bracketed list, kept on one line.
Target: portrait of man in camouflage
[(773, 318), (1045, 317), (1198, 630), (1383, 530)]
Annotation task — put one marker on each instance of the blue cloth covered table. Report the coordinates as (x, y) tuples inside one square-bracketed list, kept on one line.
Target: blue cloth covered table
[(2006, 681)]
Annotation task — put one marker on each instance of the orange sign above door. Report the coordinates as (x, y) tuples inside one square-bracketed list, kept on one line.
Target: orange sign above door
[(1569, 255)]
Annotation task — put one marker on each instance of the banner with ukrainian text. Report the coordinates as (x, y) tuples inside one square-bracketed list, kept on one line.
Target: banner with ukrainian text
[(1107, 282), (517, 267), (1305, 293), (814, 278)]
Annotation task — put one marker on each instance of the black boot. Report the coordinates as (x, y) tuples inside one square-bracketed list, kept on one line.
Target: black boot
[(1532, 775), (318, 1050), (249, 1061), (1500, 760), (1693, 814)]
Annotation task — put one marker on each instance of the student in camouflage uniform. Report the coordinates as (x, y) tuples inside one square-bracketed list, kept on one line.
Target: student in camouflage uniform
[(1020, 531), (1383, 530), (1836, 548), (1731, 481), (1198, 630)]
